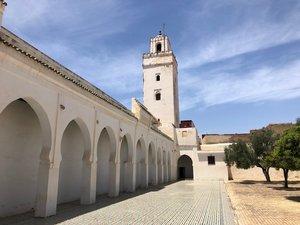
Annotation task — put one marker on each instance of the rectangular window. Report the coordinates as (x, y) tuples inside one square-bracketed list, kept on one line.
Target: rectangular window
[(184, 133), (157, 96), (157, 76), (211, 160)]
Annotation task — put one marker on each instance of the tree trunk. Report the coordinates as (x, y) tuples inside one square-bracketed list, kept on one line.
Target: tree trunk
[(286, 175), (266, 173), (229, 173)]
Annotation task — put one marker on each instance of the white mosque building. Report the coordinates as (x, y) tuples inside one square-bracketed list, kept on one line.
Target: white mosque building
[(63, 139)]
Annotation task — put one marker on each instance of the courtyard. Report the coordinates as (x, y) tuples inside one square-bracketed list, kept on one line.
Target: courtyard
[(258, 202), (183, 202)]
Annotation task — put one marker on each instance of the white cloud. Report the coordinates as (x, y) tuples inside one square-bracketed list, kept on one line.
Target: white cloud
[(70, 18), (265, 83), (20, 13), (87, 22), (116, 73), (255, 33)]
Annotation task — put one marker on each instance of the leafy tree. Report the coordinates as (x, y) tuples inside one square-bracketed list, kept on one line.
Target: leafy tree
[(286, 154), (229, 160), (229, 156), (263, 143), (239, 154)]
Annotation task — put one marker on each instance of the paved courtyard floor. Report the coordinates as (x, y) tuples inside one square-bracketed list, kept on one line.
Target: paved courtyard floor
[(184, 202)]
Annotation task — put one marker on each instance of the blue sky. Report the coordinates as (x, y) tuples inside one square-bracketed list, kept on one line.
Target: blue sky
[(239, 60)]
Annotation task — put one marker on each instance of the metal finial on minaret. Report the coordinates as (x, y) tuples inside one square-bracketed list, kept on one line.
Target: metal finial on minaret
[(163, 28)]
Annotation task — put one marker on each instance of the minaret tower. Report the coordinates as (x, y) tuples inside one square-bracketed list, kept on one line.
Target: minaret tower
[(2, 7), (161, 83)]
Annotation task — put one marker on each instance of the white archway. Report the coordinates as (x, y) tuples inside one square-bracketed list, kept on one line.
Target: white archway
[(141, 167), (25, 141), (125, 181), (106, 153), (151, 164), (185, 167), (74, 165)]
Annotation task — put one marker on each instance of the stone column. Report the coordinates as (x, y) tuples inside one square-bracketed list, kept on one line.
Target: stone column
[(163, 174), (46, 201), (156, 174), (114, 179), (147, 174), (131, 169), (89, 178)]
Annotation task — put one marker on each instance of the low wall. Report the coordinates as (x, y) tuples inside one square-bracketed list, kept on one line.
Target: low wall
[(256, 173)]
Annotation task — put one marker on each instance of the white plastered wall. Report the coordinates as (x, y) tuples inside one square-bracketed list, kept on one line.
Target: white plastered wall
[(57, 102)]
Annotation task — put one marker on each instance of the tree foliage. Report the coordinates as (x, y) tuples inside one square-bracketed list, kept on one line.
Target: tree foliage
[(239, 154), (286, 154), (263, 143)]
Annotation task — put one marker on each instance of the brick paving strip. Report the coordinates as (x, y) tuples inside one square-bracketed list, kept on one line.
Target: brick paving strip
[(184, 202)]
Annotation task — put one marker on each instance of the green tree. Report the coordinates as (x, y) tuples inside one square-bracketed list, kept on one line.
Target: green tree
[(229, 160), (263, 143), (286, 155), (239, 154)]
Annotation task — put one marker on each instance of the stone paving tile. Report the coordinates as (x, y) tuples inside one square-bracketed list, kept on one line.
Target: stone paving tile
[(184, 202)]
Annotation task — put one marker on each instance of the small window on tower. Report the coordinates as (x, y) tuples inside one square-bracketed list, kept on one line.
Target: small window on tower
[(157, 96), (158, 77), (158, 47)]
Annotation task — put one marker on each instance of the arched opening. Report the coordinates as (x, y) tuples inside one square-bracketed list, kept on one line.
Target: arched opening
[(124, 170), (158, 47), (141, 170), (25, 137), (185, 167), (74, 149), (106, 151), (151, 165), (159, 167)]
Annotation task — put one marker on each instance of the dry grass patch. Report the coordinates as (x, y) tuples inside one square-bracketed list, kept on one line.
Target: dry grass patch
[(258, 202)]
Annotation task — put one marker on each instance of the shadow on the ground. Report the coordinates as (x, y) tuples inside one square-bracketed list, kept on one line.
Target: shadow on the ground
[(265, 182), (293, 198), (71, 210), (285, 189)]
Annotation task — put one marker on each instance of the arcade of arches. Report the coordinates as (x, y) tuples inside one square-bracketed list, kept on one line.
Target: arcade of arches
[(24, 150)]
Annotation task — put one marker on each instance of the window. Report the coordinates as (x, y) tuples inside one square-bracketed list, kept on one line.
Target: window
[(211, 160), (158, 47), (158, 77), (184, 133), (157, 96)]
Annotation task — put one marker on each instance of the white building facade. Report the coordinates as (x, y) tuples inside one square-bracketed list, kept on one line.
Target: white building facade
[(63, 139)]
